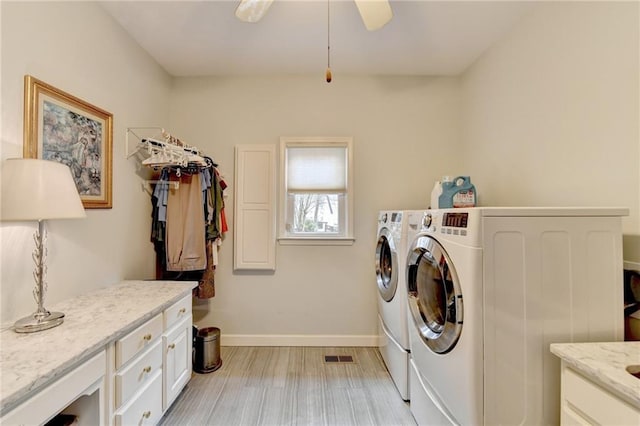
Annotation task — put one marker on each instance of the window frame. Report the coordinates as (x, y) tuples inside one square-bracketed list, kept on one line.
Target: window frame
[(286, 238)]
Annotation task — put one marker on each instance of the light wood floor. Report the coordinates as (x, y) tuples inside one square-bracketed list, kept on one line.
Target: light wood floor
[(291, 386)]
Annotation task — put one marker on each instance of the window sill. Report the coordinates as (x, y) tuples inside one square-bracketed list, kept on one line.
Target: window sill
[(318, 241)]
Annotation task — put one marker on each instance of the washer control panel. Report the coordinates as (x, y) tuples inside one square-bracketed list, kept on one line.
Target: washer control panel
[(463, 224)]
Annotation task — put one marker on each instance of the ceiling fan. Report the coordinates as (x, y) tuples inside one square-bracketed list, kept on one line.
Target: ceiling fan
[(375, 13)]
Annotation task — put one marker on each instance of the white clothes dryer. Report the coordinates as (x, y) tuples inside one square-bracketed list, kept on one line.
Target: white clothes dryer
[(394, 232), (489, 289)]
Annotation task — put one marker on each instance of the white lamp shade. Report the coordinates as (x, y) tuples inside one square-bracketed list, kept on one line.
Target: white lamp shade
[(252, 10), (33, 189)]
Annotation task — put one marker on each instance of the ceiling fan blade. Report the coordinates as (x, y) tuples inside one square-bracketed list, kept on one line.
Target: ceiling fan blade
[(252, 10), (375, 13)]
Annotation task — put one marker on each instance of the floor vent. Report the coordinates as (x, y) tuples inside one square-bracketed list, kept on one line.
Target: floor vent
[(338, 358)]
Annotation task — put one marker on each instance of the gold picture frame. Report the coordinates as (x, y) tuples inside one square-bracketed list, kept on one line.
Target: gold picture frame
[(60, 127)]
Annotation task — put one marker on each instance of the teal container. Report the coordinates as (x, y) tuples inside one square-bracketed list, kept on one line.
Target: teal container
[(458, 193)]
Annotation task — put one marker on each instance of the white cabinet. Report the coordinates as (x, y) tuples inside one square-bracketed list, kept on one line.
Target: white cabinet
[(152, 366), (586, 403), (177, 346), (254, 233), (177, 360), (109, 371)]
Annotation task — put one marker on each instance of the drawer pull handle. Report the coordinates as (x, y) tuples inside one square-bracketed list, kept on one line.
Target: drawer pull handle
[(182, 311), (146, 414), (172, 346), (147, 337), (147, 369)]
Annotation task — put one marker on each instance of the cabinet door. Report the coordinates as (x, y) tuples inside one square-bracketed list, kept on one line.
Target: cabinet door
[(254, 230), (177, 361)]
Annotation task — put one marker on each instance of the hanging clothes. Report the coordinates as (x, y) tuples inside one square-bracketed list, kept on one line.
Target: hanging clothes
[(185, 237), (223, 219), (188, 224), (213, 201), (215, 194), (159, 202), (206, 288)]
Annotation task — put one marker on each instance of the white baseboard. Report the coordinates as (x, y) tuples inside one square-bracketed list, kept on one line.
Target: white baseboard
[(297, 340)]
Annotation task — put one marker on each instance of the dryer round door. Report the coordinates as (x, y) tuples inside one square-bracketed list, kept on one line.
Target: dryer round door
[(434, 294), (386, 265)]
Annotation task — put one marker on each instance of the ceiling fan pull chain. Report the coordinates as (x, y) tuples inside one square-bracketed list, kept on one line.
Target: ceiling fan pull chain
[(328, 73)]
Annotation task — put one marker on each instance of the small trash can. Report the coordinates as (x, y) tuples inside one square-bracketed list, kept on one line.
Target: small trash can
[(206, 350)]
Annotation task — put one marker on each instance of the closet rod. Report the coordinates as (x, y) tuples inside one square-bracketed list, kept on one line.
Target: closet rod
[(154, 136), (146, 185)]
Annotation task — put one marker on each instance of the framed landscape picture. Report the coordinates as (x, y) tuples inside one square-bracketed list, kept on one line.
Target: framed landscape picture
[(60, 127)]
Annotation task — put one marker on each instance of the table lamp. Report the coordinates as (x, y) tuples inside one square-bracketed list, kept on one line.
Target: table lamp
[(33, 189)]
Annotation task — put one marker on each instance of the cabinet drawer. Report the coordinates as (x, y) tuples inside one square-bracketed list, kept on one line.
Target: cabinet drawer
[(138, 372), (138, 339), (594, 404), (146, 406), (177, 312)]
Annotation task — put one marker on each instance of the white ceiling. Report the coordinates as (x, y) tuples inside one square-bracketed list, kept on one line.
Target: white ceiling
[(197, 38)]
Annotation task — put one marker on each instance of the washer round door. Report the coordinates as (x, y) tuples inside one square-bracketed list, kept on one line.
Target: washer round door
[(435, 299), (386, 265)]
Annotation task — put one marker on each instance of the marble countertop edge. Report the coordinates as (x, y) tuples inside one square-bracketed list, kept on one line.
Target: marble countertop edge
[(605, 363)]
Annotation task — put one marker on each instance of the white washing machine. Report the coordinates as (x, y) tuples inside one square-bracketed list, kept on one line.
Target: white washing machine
[(489, 289), (395, 229)]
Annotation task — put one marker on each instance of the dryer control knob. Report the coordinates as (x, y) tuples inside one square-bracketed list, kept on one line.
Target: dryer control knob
[(426, 220)]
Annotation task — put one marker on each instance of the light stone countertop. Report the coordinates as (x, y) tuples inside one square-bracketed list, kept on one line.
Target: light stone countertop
[(30, 361), (605, 364)]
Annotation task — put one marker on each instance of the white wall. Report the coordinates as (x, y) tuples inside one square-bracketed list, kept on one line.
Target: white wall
[(551, 112), (77, 48), (549, 117), (403, 130)]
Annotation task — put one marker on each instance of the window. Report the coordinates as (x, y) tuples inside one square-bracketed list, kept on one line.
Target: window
[(316, 196)]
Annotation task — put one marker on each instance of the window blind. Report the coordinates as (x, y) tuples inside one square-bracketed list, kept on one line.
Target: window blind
[(315, 169)]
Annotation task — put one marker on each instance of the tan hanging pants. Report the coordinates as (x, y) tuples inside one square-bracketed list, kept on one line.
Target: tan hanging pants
[(185, 233)]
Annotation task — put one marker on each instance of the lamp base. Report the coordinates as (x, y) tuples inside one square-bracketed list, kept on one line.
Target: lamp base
[(38, 322)]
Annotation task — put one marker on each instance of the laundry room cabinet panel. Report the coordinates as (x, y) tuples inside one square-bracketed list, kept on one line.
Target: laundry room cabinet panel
[(545, 278), (255, 208), (254, 238), (177, 345), (254, 187)]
